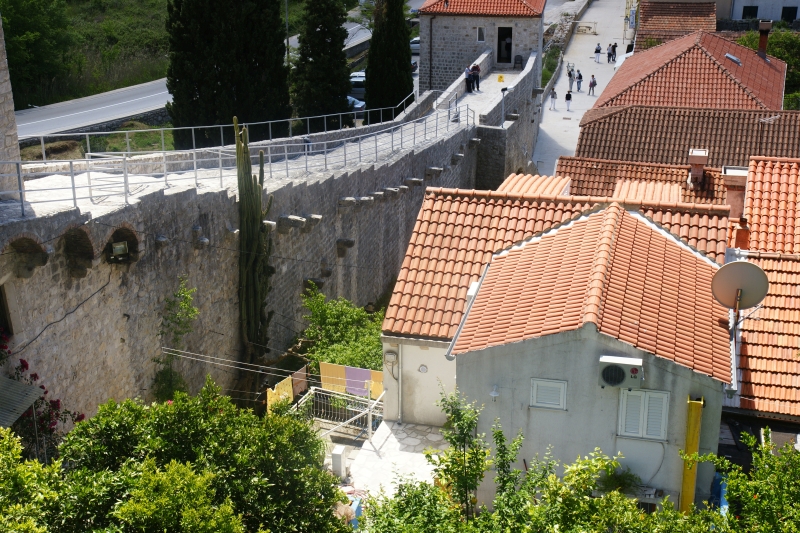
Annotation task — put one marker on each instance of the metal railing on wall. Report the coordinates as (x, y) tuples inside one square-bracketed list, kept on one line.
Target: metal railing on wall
[(216, 135), (106, 175), (342, 411)]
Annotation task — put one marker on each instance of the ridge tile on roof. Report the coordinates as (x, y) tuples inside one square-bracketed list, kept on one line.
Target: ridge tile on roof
[(695, 71), (615, 276), (491, 8), (458, 230)]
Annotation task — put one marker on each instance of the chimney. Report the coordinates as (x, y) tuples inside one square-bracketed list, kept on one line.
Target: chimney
[(764, 27), (698, 158), (742, 235)]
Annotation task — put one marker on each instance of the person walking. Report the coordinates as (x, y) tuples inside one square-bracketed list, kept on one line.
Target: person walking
[(568, 99), (614, 52), (476, 76), (608, 52), (597, 50), (571, 76), (553, 98), (468, 79), (579, 79), (592, 85)]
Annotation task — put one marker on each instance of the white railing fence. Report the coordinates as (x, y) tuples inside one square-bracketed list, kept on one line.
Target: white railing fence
[(342, 411), (106, 175)]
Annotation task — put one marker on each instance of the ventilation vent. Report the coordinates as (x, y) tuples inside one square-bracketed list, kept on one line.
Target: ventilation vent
[(734, 59)]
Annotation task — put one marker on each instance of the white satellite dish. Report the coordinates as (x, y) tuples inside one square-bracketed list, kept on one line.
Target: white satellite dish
[(740, 285)]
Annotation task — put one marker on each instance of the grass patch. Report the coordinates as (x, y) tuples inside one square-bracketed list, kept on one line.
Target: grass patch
[(140, 141), (550, 64), (54, 150)]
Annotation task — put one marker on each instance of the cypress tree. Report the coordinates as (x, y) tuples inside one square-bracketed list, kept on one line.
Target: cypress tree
[(217, 70), (321, 79), (389, 77)]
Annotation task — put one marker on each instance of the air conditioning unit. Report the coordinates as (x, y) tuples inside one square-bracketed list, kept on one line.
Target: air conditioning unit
[(622, 372)]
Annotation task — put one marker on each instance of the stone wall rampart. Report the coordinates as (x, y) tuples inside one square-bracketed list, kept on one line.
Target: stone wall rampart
[(9, 146)]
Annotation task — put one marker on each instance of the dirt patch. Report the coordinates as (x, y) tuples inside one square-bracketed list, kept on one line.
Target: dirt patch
[(54, 150)]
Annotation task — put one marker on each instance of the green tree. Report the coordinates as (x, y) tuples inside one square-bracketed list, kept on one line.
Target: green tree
[(38, 44), (225, 59), (321, 79), (785, 45), (389, 78), (461, 467)]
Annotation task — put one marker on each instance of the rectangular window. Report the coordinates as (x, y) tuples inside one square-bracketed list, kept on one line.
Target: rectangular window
[(5, 321), (643, 414), (749, 12), (481, 34), (789, 14), (549, 393)]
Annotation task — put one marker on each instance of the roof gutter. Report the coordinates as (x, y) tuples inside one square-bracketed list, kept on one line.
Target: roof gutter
[(449, 354)]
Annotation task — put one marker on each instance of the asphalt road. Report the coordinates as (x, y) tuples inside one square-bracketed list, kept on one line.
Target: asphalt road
[(95, 109)]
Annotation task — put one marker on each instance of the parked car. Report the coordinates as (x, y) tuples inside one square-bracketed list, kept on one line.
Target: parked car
[(414, 66), (415, 45), (357, 87), (356, 105)]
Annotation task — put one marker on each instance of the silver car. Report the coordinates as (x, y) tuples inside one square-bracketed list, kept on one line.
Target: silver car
[(415, 45)]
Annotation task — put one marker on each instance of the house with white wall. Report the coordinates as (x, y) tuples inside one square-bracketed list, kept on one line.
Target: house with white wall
[(597, 333), (453, 33)]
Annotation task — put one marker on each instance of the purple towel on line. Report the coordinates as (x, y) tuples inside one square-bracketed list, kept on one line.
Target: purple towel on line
[(357, 380)]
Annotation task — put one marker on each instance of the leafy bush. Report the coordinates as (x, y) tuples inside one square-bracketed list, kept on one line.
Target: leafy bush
[(193, 464), (176, 322), (550, 64), (342, 333)]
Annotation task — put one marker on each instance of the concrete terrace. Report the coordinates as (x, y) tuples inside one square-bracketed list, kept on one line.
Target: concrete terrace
[(559, 130), (486, 99)]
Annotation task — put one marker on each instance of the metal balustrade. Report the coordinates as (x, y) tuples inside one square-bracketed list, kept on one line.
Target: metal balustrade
[(342, 411), (104, 176)]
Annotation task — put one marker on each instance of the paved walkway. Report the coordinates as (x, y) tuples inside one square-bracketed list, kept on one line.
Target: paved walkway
[(558, 134), (486, 99), (395, 451)]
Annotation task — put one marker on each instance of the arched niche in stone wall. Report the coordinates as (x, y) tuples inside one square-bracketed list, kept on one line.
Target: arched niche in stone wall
[(79, 252), (123, 247), (28, 254)]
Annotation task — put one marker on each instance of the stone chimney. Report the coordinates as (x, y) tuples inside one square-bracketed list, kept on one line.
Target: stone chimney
[(698, 158), (764, 28)]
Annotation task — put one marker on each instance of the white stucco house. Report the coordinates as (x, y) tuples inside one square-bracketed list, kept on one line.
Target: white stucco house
[(597, 333)]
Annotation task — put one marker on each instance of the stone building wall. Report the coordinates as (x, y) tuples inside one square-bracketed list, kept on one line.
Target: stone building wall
[(9, 147), (449, 43), (93, 337)]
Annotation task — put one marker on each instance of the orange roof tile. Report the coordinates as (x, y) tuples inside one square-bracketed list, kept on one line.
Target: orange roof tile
[(528, 184), (623, 179), (662, 21), (491, 8), (695, 71), (769, 366), (665, 134), (458, 230), (771, 197), (633, 280)]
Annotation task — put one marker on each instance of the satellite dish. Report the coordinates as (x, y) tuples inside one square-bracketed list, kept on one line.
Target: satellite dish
[(740, 281)]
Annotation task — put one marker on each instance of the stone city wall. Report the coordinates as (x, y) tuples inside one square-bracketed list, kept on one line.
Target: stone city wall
[(9, 147), (89, 327), (450, 43)]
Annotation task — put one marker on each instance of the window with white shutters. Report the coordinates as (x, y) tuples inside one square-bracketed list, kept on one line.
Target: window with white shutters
[(643, 414), (549, 393)]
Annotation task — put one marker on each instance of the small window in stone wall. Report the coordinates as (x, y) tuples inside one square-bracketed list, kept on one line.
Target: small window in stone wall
[(481, 34), (5, 319)]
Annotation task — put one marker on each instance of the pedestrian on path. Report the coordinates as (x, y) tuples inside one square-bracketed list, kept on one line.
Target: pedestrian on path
[(571, 76), (609, 52), (553, 98), (592, 85), (568, 99), (476, 76), (597, 50), (614, 52), (579, 79), (468, 79)]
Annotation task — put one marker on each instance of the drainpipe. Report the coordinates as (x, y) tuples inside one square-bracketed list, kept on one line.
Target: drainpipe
[(400, 383), (693, 420), (430, 54)]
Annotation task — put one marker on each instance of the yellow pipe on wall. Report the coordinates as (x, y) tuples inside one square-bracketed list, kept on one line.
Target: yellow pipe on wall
[(693, 423)]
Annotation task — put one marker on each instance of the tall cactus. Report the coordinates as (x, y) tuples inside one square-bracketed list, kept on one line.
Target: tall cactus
[(255, 246)]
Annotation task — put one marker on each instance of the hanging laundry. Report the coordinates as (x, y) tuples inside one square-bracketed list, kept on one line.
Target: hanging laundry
[(300, 381), (377, 384), (358, 380), (332, 377)]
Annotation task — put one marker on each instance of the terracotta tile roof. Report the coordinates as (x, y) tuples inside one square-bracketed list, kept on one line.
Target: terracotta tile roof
[(665, 134), (458, 230), (622, 179), (769, 367), (528, 184), (662, 22), (694, 71), (490, 8), (633, 280), (771, 205)]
